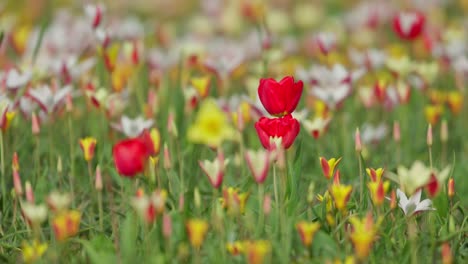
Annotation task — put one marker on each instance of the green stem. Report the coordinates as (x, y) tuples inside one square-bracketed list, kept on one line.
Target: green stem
[(72, 160), (2, 165), (261, 213), (101, 211), (361, 178)]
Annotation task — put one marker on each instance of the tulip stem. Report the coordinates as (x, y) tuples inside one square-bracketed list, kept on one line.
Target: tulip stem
[(2, 161), (101, 212), (261, 213), (72, 160), (275, 186), (361, 180), (430, 157)]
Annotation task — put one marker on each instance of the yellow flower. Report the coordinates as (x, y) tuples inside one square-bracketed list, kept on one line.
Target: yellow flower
[(234, 201), (196, 230), (363, 233), (66, 224), (20, 38), (455, 101), (328, 166), (33, 251), (201, 85), (378, 190), (256, 251), (433, 113), (9, 115), (307, 231), (88, 145), (341, 195), (375, 174), (235, 248), (211, 126)]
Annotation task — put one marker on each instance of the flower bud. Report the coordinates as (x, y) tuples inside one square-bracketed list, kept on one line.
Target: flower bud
[(444, 131), (36, 128), (396, 132), (98, 182), (167, 226), (429, 136), (29, 192), (197, 197), (357, 141), (451, 188)]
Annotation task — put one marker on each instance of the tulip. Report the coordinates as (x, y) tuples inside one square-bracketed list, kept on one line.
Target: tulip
[(66, 224), (258, 163), (280, 98), (286, 128), (196, 230), (58, 202), (409, 25), (214, 169), (130, 156), (451, 188), (256, 251), (341, 195), (377, 190), (307, 231), (328, 166), (375, 174), (363, 234), (34, 251), (88, 146)]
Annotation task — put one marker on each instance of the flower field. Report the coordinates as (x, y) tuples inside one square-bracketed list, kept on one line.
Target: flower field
[(243, 131)]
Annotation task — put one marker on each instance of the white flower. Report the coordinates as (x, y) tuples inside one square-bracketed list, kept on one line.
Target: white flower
[(331, 86), (133, 127), (414, 204), (15, 79), (47, 99), (415, 177), (373, 134), (36, 214)]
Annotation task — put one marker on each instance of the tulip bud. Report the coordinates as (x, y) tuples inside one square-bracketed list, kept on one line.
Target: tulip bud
[(451, 188), (446, 253), (357, 141), (36, 128), (98, 182), (171, 125), (393, 200), (396, 132), (310, 193), (181, 202), (267, 204), (167, 158), (197, 197), (429, 135), (17, 183), (167, 226), (59, 165), (29, 192), (444, 131)]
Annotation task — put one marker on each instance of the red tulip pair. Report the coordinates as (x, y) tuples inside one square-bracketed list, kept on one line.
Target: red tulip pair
[(130, 155), (279, 99)]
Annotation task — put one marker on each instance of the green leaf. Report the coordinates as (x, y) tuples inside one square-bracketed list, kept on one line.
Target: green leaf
[(101, 257), (128, 239)]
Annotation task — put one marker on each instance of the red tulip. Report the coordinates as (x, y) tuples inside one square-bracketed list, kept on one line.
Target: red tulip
[(409, 25), (280, 98), (130, 156), (285, 128)]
